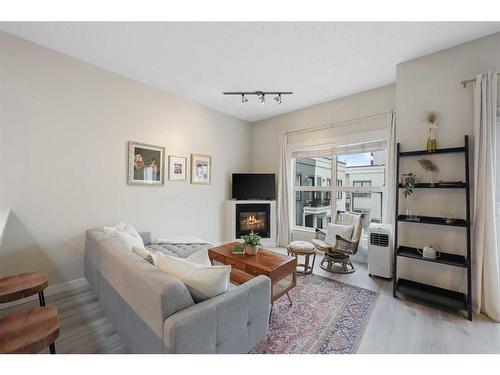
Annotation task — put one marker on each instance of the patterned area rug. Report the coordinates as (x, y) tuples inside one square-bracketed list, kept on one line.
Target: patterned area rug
[(326, 317)]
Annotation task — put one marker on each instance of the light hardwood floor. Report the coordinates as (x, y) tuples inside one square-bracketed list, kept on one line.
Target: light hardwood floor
[(83, 326), (396, 326)]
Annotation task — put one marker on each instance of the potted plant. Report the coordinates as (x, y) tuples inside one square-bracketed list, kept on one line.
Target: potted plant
[(252, 243), (409, 184)]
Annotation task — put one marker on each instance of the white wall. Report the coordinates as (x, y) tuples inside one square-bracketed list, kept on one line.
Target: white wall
[(64, 130), (265, 149), (431, 83)]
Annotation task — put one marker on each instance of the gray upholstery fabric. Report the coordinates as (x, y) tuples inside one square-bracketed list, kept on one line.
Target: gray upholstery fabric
[(234, 322), (154, 312), (146, 238), (180, 250)]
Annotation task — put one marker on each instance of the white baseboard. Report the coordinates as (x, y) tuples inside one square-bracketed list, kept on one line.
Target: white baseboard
[(50, 291)]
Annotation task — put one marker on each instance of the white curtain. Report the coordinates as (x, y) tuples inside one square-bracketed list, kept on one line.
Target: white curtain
[(486, 278), (390, 170), (283, 206)]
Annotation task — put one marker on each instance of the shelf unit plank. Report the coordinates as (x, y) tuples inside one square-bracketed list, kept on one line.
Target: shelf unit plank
[(433, 221), (432, 294), (445, 258), (438, 151), (427, 185)]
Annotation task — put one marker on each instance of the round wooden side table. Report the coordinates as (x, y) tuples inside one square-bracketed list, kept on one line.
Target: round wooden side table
[(29, 331), (40, 321), (306, 249), (23, 285)]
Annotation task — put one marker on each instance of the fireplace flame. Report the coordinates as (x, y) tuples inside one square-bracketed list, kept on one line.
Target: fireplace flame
[(252, 222)]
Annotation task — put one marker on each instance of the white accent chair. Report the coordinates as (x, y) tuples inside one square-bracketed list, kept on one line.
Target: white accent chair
[(338, 253)]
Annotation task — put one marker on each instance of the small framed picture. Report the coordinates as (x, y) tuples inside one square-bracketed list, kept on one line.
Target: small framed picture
[(200, 169), (176, 168), (146, 164)]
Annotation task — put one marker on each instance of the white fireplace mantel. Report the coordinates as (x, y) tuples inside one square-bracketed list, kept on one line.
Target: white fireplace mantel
[(230, 218)]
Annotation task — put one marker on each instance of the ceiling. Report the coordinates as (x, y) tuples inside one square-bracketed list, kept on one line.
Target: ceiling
[(318, 61)]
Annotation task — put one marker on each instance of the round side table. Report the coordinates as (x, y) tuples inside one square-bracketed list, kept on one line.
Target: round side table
[(29, 331), (23, 285), (305, 249)]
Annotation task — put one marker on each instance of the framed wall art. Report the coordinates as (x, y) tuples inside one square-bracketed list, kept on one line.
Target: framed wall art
[(201, 169), (146, 164), (177, 168)]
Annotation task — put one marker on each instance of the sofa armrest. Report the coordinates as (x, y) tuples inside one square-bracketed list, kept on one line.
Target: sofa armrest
[(233, 322)]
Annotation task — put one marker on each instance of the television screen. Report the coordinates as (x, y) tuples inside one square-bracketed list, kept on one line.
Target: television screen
[(254, 186)]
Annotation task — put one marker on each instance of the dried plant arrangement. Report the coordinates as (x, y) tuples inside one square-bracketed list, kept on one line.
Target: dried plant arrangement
[(428, 165), (432, 118)]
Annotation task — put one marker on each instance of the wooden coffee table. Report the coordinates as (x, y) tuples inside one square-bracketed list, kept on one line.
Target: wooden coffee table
[(281, 269)]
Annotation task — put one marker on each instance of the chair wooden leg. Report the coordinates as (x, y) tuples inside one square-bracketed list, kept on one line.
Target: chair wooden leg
[(289, 299)]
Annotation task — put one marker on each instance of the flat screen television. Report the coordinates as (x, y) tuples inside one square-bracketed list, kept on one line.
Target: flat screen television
[(254, 186)]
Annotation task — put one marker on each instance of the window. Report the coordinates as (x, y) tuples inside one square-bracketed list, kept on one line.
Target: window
[(313, 208), (298, 182), (361, 183), (339, 193), (356, 180)]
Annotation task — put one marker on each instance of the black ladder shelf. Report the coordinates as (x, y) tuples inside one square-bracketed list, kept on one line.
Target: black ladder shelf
[(429, 293)]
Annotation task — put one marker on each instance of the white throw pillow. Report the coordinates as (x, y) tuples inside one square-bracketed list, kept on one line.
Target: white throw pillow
[(344, 231), (126, 233), (203, 282), (200, 257), (143, 253)]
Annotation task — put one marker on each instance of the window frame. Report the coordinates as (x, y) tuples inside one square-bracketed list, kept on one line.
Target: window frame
[(334, 190)]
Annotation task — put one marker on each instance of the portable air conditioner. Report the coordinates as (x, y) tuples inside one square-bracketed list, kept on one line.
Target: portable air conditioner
[(380, 250)]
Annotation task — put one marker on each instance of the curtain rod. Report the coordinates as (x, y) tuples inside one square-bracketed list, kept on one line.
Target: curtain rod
[(465, 82), (328, 126)]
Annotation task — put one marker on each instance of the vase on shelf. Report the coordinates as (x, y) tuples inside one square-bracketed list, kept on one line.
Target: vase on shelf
[(431, 140), (432, 179)]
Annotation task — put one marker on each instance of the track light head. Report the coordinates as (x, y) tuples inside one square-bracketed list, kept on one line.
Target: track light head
[(261, 95)]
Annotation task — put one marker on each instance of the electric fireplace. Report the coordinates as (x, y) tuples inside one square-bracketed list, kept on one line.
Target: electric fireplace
[(253, 217)]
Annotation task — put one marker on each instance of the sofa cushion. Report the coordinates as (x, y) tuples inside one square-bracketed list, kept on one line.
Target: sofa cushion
[(143, 253), (203, 282), (126, 233), (200, 257), (180, 250)]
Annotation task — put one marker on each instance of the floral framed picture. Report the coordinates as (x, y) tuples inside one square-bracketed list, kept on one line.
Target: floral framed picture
[(201, 169), (177, 168), (146, 164)]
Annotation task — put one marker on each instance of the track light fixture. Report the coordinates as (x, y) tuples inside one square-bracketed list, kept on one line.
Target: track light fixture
[(261, 95)]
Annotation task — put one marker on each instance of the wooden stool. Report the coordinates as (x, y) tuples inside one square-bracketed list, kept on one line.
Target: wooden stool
[(29, 331), (306, 249), (23, 285)]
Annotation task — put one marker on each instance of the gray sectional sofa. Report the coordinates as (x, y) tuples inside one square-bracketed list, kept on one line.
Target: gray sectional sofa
[(154, 312)]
